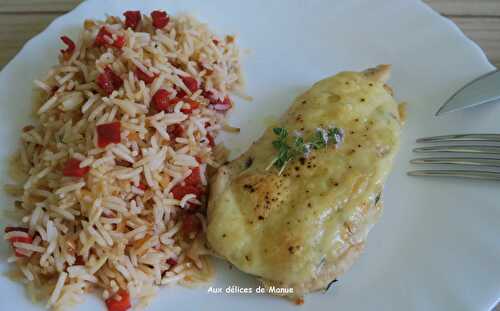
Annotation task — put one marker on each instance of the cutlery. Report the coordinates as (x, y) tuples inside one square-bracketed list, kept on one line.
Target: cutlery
[(485, 89), (460, 155)]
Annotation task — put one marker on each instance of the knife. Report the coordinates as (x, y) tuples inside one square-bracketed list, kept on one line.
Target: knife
[(485, 89)]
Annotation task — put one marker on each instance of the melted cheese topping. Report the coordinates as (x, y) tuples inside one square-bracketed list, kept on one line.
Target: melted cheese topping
[(296, 228)]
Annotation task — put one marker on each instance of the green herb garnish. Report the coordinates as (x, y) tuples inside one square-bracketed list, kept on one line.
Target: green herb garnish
[(299, 148)]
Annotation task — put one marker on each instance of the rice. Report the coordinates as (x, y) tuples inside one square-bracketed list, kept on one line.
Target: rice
[(123, 210), (58, 288)]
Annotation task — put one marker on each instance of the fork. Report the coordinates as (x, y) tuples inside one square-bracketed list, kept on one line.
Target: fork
[(475, 156)]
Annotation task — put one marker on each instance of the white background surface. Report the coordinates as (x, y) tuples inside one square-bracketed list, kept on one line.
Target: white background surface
[(437, 246)]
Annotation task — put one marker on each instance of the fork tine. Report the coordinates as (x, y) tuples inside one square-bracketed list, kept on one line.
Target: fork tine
[(459, 161), (459, 149), (463, 174), (461, 137)]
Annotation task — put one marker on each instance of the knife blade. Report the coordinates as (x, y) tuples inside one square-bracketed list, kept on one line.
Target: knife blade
[(482, 90)]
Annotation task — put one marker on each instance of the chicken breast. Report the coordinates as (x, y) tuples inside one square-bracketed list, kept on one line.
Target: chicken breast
[(302, 225)]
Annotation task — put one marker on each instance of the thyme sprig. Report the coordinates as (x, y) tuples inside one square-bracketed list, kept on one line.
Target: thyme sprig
[(299, 148)]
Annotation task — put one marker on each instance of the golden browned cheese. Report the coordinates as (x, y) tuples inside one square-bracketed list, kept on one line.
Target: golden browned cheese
[(305, 227)]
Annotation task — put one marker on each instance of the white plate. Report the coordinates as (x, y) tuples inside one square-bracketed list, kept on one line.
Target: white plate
[(437, 246)]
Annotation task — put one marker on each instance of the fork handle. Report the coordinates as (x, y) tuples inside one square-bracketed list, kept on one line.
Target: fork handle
[(454, 173)]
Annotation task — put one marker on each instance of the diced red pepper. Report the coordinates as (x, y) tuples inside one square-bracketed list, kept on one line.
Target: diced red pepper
[(119, 42), (103, 34), (141, 75), (132, 19), (108, 133), (211, 141), (142, 186), (21, 239), (174, 101), (160, 19), (79, 261), (190, 83), (190, 224), (192, 105), (19, 254), (109, 81), (10, 229), (223, 105), (179, 191), (209, 95), (180, 94), (217, 103), (161, 100), (119, 302), (72, 168), (115, 79), (13, 240), (172, 262), (71, 46), (194, 178), (175, 130), (100, 39), (104, 82)]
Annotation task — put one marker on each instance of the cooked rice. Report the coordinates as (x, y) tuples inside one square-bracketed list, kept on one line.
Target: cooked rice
[(119, 226)]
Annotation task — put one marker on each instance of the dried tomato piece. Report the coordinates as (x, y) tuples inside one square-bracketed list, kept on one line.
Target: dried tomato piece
[(109, 81), (190, 224), (119, 302), (192, 106), (119, 42), (71, 46), (194, 178), (160, 19), (100, 39), (132, 19), (108, 133), (190, 83), (161, 100), (141, 75), (72, 168), (175, 130)]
